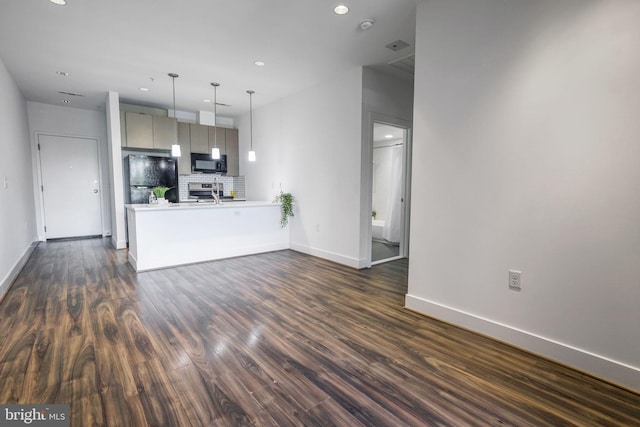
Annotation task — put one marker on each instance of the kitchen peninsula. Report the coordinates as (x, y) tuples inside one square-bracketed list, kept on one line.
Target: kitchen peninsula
[(184, 233)]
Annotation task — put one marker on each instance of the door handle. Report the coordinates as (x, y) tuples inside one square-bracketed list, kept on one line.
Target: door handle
[(95, 190)]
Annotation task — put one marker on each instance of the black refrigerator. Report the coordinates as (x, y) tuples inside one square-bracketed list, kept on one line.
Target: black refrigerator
[(142, 173)]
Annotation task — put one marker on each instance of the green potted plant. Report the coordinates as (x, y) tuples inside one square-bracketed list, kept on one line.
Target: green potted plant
[(159, 192), (286, 204)]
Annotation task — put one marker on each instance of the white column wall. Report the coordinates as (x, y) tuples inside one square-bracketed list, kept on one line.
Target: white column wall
[(114, 157), (526, 148), (17, 218), (66, 121), (310, 143)]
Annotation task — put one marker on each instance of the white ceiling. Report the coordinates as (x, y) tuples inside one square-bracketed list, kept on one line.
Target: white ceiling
[(120, 45)]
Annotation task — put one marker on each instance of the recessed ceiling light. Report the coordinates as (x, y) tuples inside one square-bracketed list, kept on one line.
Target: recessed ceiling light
[(62, 73), (66, 101), (388, 136), (59, 2), (206, 100), (259, 63), (341, 9), (144, 89)]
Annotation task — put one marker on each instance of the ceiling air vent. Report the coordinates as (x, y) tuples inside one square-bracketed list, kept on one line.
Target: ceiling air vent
[(69, 93), (397, 45)]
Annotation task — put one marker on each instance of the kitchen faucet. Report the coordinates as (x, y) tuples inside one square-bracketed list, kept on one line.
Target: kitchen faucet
[(215, 190)]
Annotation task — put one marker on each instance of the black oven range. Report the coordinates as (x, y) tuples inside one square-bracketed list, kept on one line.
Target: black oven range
[(203, 191)]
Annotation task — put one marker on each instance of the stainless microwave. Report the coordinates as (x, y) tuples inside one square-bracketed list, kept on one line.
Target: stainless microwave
[(205, 164)]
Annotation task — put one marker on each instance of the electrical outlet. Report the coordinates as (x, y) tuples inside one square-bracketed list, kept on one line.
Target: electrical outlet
[(515, 282)]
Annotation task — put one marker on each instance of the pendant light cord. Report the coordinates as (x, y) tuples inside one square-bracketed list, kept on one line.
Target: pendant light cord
[(215, 114), (250, 92), (175, 146), (173, 77)]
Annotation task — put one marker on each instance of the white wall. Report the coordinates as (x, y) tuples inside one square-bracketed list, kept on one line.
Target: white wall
[(114, 157), (527, 138), (310, 143), (65, 121), (17, 218), (386, 94)]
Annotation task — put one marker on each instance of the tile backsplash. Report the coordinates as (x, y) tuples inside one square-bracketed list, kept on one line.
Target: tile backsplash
[(229, 183)]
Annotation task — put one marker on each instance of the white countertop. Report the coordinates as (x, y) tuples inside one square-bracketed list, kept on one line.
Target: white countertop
[(206, 205)]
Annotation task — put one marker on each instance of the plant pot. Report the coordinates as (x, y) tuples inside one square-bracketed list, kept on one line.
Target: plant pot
[(163, 202)]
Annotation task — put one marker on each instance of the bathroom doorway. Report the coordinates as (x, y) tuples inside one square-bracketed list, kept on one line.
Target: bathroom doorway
[(388, 198)]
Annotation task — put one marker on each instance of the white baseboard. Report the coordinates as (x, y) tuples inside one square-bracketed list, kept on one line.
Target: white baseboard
[(331, 256), (132, 261), (118, 244), (364, 263), (611, 370), (17, 268)]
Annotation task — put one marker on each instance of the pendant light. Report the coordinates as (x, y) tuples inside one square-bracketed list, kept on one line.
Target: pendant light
[(175, 148), (252, 154), (215, 151)]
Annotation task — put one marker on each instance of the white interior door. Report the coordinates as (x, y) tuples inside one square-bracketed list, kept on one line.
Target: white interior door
[(70, 186)]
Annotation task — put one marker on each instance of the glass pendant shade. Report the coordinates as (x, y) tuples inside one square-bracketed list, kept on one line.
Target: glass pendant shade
[(215, 153), (175, 150), (252, 156)]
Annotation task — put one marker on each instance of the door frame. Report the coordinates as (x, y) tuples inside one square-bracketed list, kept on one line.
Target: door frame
[(366, 230), (38, 182)]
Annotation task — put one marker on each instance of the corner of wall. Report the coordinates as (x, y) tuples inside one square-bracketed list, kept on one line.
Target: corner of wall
[(112, 112), (11, 276), (118, 244)]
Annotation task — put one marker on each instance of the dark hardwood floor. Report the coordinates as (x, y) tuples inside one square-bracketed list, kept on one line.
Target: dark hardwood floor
[(271, 340)]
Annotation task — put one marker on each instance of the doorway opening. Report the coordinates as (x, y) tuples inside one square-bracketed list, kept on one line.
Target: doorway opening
[(388, 186)]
